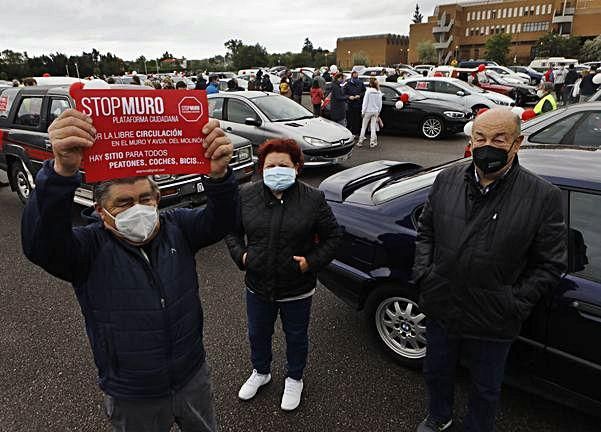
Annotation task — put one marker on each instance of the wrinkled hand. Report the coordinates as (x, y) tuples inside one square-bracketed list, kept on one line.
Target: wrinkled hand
[(302, 263), (218, 147), (70, 134)]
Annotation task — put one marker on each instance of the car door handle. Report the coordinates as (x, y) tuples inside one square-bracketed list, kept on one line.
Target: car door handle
[(586, 308), (48, 144), (229, 129)]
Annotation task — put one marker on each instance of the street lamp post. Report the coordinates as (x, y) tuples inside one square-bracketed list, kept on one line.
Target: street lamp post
[(77, 69), (349, 59)]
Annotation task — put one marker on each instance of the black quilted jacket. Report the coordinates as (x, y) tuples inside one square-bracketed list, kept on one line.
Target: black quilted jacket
[(300, 224), (482, 262)]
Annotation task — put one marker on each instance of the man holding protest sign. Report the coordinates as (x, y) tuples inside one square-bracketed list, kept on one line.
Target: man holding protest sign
[(134, 275)]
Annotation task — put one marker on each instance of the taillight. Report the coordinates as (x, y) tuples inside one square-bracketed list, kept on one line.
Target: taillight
[(467, 152)]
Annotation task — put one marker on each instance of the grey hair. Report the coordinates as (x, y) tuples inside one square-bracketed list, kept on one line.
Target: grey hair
[(101, 190)]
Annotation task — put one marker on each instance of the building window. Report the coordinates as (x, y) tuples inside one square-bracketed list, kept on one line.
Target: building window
[(538, 9), (478, 17), (467, 32), (515, 12), (513, 28), (488, 15), (549, 9), (493, 14), (481, 31), (498, 13), (504, 13), (509, 13), (522, 11), (487, 30), (469, 14), (519, 28), (532, 10), (476, 52)]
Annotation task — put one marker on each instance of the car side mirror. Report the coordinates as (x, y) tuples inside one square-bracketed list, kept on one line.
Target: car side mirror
[(460, 93), (251, 121)]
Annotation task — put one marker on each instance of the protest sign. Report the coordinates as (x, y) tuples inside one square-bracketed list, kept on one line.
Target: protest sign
[(143, 132)]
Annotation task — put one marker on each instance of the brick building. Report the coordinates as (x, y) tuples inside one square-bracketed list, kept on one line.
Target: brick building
[(383, 49), (460, 30)]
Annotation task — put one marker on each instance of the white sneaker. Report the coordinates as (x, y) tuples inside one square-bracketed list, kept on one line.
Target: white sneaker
[(253, 384), (360, 142), (292, 394)]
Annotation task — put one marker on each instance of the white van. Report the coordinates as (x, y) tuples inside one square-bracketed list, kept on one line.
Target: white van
[(544, 64)]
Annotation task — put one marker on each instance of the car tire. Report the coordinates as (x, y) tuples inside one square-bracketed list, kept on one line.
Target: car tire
[(20, 180), (396, 323), (432, 127)]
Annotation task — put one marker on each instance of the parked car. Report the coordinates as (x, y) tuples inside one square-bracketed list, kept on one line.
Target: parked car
[(423, 67), (259, 116), (475, 63), (242, 83), (428, 117), (535, 77), (378, 205), (454, 90), (509, 75), (577, 125), (543, 64), (25, 115), (522, 93)]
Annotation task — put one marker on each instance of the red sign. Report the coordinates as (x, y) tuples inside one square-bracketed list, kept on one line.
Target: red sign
[(144, 132), (4, 103)]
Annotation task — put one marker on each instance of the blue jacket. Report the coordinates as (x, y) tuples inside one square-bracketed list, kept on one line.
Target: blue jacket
[(355, 88), (144, 319), (212, 88)]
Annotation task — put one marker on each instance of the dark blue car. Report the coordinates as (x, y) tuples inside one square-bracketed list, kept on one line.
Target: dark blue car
[(558, 353)]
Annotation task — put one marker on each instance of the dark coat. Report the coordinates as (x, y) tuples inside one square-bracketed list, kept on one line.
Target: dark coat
[(143, 318), (571, 77), (297, 87), (482, 262), (587, 86), (337, 102), (355, 88), (300, 224)]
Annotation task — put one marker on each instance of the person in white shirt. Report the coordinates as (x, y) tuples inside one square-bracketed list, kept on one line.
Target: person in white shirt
[(559, 79), (372, 105)]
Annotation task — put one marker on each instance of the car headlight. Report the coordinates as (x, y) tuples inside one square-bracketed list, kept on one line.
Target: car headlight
[(454, 114), (317, 142), (244, 154)]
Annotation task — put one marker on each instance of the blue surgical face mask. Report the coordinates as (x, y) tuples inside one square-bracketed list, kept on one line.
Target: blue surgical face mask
[(279, 178)]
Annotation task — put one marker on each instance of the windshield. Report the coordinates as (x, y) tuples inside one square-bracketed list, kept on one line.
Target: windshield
[(280, 108), (471, 86), (413, 94)]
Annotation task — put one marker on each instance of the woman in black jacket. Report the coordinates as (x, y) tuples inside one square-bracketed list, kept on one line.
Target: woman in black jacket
[(286, 233)]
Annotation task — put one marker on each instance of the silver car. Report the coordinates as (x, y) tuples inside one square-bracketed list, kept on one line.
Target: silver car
[(472, 98), (259, 116)]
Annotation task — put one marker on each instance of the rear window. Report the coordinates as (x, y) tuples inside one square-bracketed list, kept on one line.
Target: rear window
[(404, 186)]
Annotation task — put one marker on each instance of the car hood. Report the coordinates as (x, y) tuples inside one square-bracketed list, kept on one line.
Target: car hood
[(314, 127)]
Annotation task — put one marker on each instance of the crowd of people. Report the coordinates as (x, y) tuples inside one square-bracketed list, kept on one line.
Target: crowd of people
[(568, 85)]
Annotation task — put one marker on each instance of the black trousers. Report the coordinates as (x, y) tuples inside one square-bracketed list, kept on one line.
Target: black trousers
[(353, 119)]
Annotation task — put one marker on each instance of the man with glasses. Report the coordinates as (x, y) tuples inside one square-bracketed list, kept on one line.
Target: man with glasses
[(491, 243), (134, 274)]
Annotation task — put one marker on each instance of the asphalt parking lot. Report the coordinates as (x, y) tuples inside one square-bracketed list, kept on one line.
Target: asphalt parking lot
[(47, 376)]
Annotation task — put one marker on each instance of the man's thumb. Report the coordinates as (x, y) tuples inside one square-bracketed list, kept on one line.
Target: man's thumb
[(297, 258)]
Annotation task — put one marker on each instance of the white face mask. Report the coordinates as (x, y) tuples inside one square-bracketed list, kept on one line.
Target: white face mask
[(136, 223)]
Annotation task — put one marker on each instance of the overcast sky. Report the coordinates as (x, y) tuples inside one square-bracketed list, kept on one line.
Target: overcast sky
[(194, 29)]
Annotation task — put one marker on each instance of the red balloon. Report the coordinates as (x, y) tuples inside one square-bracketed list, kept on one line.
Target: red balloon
[(438, 74), (481, 111), (404, 97), (481, 68), (75, 86), (46, 75), (528, 114)]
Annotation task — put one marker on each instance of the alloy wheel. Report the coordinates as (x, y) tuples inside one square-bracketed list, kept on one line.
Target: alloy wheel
[(432, 128), (400, 326)]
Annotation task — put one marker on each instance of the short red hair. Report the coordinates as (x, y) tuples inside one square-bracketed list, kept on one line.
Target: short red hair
[(288, 146)]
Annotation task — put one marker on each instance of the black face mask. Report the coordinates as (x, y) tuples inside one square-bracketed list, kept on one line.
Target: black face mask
[(490, 159)]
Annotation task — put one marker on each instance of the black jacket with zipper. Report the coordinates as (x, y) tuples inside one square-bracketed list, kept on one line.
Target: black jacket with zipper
[(300, 224), (483, 261)]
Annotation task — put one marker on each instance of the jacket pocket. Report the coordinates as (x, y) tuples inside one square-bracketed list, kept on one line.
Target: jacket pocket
[(434, 294)]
